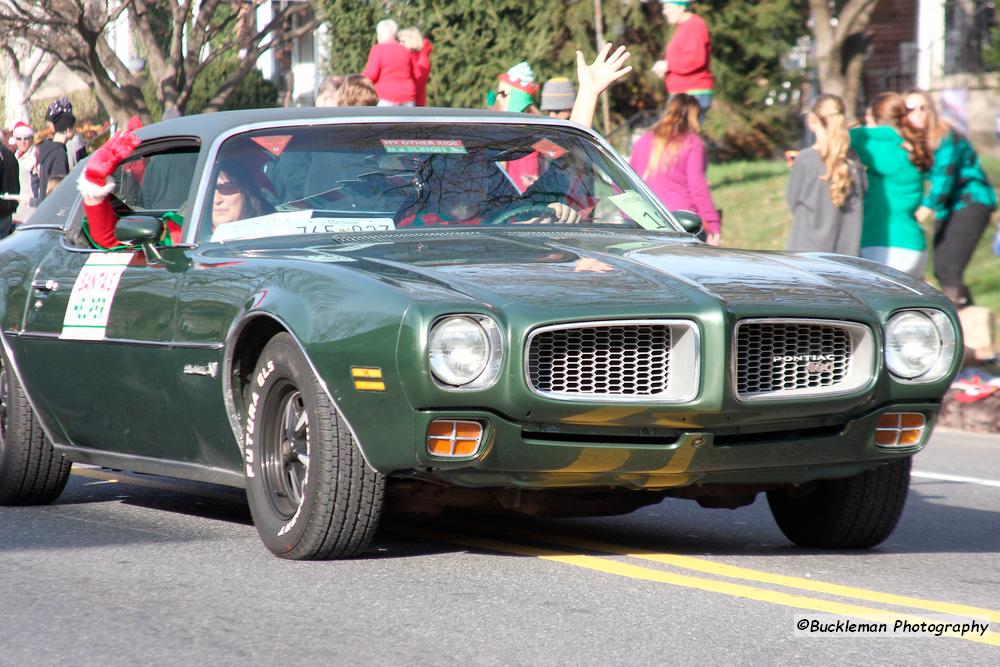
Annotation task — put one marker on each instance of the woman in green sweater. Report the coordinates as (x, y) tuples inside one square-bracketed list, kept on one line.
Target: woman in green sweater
[(961, 197), (896, 157)]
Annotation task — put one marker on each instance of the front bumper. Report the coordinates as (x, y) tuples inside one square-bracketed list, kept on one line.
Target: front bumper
[(533, 456)]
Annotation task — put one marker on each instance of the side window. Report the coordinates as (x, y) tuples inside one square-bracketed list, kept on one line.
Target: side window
[(156, 182)]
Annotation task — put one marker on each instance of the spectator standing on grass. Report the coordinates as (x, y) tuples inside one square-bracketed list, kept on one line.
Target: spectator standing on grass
[(896, 155), (961, 197), (390, 68), (670, 157), (687, 61), (24, 151), (52, 159), (827, 185), (420, 56)]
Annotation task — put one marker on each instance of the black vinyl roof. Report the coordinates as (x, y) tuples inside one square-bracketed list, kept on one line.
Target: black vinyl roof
[(208, 126)]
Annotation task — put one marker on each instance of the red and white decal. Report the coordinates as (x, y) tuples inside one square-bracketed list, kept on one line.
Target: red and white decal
[(549, 149), (275, 145)]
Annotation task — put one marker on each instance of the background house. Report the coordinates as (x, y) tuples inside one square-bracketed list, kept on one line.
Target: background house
[(938, 45)]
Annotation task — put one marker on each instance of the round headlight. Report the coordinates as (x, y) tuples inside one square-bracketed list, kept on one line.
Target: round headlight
[(912, 344), (459, 350)]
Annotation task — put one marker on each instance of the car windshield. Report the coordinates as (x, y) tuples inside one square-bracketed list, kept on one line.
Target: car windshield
[(379, 177)]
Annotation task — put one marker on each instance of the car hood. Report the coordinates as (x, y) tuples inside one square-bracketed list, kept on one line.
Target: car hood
[(606, 269)]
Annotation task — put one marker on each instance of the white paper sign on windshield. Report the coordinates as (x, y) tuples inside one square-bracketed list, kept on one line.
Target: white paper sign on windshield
[(637, 207), (296, 223)]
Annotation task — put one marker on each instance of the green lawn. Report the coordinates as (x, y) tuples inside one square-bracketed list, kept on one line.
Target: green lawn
[(752, 197)]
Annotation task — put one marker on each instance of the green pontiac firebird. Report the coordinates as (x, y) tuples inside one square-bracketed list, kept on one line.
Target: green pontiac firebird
[(440, 308)]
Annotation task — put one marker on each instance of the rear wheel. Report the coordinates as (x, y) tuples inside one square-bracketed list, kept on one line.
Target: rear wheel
[(857, 512), (31, 471), (311, 493)]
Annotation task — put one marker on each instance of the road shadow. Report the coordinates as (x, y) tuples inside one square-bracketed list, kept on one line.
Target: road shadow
[(929, 525)]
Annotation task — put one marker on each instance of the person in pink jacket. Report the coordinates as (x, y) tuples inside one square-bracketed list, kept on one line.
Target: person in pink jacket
[(670, 157), (390, 68)]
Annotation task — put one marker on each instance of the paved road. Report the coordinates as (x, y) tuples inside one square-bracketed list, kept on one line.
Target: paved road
[(130, 570)]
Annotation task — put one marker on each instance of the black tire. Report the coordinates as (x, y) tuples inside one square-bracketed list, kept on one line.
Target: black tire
[(311, 493), (856, 512), (31, 471)]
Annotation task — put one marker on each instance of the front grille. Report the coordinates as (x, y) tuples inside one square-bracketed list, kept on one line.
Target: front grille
[(611, 360), (799, 357)]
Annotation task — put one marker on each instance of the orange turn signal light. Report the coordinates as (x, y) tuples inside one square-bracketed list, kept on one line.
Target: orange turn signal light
[(454, 438), (900, 429)]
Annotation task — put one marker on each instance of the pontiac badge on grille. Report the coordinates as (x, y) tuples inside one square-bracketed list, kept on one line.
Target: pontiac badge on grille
[(814, 363)]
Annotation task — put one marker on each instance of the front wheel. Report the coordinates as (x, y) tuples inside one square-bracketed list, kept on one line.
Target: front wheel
[(31, 471), (856, 512), (311, 493)]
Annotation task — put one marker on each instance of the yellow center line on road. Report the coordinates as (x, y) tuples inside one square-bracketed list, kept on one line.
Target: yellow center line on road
[(743, 591), (736, 572)]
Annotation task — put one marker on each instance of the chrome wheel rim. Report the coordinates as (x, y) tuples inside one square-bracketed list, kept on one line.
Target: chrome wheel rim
[(286, 454)]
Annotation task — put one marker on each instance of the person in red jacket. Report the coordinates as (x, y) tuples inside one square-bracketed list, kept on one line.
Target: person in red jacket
[(686, 67), (390, 68), (420, 53)]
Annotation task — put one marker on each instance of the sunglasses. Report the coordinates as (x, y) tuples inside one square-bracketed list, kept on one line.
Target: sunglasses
[(227, 189), (916, 107), (22, 138)]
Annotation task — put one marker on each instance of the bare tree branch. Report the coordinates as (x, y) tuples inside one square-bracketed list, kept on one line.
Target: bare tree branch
[(76, 32), (39, 79)]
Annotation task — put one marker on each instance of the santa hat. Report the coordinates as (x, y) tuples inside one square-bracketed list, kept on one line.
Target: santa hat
[(23, 131)]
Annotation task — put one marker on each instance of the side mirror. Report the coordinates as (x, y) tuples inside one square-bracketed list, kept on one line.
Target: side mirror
[(690, 221), (138, 229)]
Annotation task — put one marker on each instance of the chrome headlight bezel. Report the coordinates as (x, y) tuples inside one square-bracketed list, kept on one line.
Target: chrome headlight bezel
[(486, 373), (938, 363)]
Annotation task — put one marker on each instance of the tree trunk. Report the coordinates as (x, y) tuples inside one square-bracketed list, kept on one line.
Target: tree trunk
[(839, 46), (22, 77), (854, 63), (120, 102), (15, 95)]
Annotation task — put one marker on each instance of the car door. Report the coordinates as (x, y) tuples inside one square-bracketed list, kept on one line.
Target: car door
[(100, 326)]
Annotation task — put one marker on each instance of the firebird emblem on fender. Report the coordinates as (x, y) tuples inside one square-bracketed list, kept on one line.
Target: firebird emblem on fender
[(211, 369)]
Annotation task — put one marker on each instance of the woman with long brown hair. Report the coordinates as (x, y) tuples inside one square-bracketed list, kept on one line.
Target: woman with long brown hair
[(827, 185), (671, 159), (896, 155), (961, 197)]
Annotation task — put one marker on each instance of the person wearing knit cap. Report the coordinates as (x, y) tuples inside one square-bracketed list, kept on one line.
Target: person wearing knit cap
[(53, 159), (60, 114), (24, 143), (558, 96)]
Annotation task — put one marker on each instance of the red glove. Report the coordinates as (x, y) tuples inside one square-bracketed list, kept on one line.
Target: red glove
[(107, 158)]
